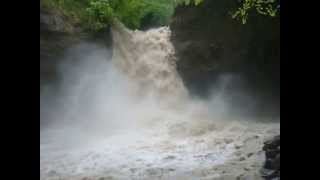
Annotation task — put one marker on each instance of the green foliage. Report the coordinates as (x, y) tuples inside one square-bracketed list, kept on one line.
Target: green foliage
[(131, 12), (101, 12), (188, 2), (264, 7), (98, 14)]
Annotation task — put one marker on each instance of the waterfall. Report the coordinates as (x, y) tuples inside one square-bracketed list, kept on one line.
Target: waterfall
[(148, 59), (131, 117)]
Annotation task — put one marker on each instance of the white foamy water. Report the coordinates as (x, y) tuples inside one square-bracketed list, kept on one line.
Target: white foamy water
[(151, 156), (133, 119)]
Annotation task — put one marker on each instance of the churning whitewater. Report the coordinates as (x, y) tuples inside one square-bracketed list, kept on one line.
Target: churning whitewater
[(132, 118)]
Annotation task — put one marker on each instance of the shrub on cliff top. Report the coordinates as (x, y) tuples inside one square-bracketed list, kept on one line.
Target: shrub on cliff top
[(263, 7), (97, 14)]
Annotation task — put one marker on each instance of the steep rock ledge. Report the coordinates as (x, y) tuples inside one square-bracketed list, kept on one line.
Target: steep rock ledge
[(58, 33), (271, 169), (209, 42)]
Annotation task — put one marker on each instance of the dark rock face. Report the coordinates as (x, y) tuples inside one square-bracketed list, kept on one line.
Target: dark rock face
[(209, 43), (271, 169), (55, 22), (58, 33)]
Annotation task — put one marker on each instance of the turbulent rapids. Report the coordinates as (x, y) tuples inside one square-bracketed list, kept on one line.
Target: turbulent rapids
[(132, 118)]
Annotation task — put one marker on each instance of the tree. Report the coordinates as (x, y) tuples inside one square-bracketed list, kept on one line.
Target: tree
[(264, 7), (96, 15)]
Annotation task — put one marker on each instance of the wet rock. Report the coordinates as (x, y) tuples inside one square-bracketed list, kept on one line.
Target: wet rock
[(249, 154), (271, 169), (272, 153), (238, 146), (273, 163), (54, 21), (272, 144)]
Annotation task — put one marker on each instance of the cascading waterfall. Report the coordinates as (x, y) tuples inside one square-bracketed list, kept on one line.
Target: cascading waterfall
[(187, 138), (148, 59)]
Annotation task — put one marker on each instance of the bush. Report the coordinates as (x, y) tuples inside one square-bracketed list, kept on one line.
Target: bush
[(97, 15), (263, 7)]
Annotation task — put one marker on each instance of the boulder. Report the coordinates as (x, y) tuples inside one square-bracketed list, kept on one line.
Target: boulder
[(271, 169)]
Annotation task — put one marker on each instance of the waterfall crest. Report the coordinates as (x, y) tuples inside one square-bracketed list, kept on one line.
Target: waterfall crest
[(148, 59)]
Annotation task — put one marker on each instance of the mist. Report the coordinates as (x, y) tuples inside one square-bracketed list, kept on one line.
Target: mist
[(103, 101), (95, 97)]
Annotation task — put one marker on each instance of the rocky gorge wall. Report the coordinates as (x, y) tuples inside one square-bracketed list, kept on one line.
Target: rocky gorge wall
[(57, 34), (209, 43)]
